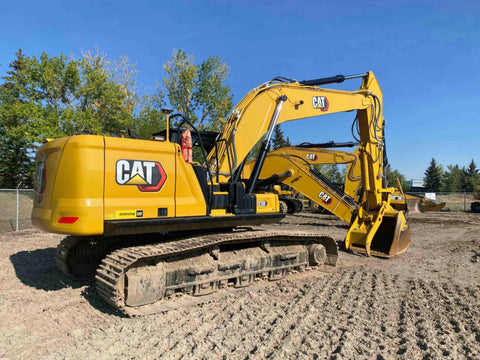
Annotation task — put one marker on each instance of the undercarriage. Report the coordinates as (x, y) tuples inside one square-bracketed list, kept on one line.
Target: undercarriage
[(146, 279)]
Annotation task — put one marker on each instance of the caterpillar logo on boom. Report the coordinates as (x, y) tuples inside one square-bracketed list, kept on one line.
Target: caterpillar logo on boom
[(320, 102), (311, 157), (148, 176), (326, 199)]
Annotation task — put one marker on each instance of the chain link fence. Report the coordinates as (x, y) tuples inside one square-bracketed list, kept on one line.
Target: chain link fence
[(15, 209), (16, 206)]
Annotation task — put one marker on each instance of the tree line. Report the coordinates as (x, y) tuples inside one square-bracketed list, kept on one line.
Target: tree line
[(54, 96), (453, 179)]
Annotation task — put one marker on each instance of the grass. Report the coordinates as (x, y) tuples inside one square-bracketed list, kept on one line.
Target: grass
[(8, 210), (456, 201)]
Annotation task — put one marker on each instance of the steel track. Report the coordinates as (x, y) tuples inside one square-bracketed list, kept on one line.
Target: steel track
[(111, 272)]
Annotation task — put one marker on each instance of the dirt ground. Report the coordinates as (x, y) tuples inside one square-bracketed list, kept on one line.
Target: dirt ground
[(424, 304)]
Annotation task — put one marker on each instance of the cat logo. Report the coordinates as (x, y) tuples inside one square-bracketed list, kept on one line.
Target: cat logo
[(320, 102), (312, 157), (262, 203), (326, 199), (148, 176)]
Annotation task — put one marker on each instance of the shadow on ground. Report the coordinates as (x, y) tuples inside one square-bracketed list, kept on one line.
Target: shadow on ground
[(37, 269), (95, 300)]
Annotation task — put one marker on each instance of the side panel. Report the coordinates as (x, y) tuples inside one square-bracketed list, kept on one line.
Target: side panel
[(267, 203), (139, 179), (69, 198), (189, 196)]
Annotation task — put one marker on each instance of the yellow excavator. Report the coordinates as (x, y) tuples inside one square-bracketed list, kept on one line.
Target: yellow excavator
[(293, 166), (307, 154), (151, 224)]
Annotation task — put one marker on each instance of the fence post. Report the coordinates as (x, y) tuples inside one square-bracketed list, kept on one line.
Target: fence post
[(16, 219), (464, 201)]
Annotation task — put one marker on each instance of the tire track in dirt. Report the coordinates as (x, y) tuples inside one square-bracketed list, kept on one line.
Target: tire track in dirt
[(253, 318), (436, 322), (360, 326), (307, 304)]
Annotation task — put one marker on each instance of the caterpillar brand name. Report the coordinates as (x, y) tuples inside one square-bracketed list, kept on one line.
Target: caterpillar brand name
[(327, 199), (311, 157), (320, 102), (148, 176), (262, 203)]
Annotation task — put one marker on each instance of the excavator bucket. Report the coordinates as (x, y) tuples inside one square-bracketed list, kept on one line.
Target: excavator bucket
[(432, 205), (402, 202), (392, 237), (414, 205), (387, 235)]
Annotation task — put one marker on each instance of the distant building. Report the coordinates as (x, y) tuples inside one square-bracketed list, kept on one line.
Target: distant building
[(416, 185)]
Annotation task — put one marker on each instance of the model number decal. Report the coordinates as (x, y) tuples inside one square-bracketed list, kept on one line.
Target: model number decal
[(326, 199), (126, 214), (262, 203), (320, 102), (148, 176)]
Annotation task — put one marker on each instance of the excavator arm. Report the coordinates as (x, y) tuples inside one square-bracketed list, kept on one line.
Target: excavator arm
[(377, 227), (292, 166)]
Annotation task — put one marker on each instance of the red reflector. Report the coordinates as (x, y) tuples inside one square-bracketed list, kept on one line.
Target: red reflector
[(67, 219)]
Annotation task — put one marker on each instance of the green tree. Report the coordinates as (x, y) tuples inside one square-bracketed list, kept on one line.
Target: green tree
[(453, 179), (471, 177), (150, 118), (213, 97), (433, 177), (180, 82), (53, 97), (332, 172), (279, 139), (198, 92), (392, 175)]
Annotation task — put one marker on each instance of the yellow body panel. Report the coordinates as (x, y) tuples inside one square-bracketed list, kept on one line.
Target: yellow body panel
[(267, 203), (73, 186), (128, 196), (97, 178)]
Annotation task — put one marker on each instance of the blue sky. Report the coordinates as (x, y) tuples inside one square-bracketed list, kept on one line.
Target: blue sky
[(426, 55)]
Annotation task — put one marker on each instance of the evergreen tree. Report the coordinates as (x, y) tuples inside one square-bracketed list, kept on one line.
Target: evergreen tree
[(279, 139), (433, 177), (471, 177), (453, 179)]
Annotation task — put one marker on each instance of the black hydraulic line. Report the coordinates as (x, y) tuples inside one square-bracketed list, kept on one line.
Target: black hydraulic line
[(258, 165), (385, 159), (331, 79), (324, 81), (330, 144), (332, 187), (265, 148), (272, 179)]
